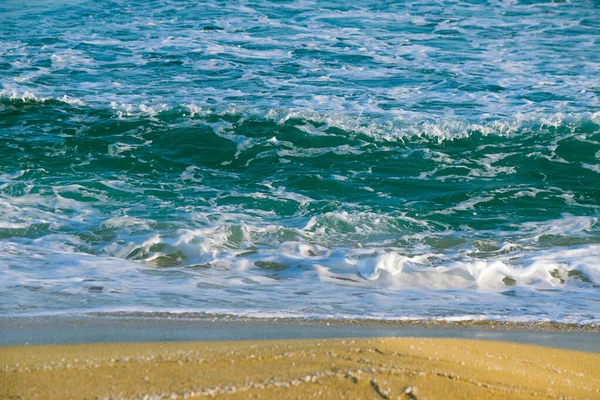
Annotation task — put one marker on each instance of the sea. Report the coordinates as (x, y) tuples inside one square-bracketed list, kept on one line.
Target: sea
[(381, 160)]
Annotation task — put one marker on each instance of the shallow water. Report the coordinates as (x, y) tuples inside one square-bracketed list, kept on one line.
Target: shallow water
[(119, 328), (309, 159)]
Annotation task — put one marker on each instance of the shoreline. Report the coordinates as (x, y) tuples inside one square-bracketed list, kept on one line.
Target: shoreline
[(384, 368), (166, 327), (461, 321)]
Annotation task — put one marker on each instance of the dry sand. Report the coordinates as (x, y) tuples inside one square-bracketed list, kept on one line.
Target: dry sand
[(332, 368)]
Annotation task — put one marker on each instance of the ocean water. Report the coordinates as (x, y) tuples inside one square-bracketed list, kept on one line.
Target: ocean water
[(360, 159)]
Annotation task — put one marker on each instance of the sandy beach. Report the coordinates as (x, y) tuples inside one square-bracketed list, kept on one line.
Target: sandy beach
[(387, 368)]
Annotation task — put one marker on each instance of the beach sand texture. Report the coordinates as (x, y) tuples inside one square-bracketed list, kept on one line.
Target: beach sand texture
[(386, 368)]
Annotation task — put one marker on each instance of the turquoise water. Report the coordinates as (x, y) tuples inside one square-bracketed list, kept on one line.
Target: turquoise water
[(433, 159)]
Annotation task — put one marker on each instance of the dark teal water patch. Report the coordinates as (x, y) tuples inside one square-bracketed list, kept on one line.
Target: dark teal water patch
[(493, 179)]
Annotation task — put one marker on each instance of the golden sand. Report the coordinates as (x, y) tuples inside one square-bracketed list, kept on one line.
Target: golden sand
[(334, 368)]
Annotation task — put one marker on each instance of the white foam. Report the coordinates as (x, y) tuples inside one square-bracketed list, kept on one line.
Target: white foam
[(591, 167), (391, 263), (568, 226)]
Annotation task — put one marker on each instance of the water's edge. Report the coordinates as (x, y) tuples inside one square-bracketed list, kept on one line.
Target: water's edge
[(168, 327)]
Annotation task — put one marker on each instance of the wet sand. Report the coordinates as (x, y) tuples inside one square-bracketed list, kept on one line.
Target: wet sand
[(178, 327), (383, 368)]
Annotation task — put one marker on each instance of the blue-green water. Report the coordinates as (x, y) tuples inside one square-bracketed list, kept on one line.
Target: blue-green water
[(433, 159)]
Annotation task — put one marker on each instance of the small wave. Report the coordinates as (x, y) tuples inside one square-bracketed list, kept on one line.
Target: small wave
[(380, 129), (17, 97), (283, 283)]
